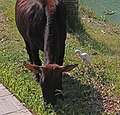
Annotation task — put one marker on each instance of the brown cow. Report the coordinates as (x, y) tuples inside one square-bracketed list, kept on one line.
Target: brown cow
[(42, 24)]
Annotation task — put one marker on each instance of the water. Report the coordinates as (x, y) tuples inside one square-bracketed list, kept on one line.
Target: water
[(101, 6)]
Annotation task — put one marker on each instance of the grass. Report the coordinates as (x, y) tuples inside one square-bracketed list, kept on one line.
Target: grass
[(91, 89)]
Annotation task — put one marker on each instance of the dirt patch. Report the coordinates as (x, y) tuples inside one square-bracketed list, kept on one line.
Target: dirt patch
[(111, 104)]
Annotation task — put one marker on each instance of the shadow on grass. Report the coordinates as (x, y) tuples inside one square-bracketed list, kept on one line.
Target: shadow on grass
[(79, 99)]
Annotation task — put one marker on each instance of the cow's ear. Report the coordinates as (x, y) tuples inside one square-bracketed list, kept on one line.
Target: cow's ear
[(68, 67), (34, 68)]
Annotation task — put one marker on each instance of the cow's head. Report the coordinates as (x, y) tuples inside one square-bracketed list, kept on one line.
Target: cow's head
[(50, 80)]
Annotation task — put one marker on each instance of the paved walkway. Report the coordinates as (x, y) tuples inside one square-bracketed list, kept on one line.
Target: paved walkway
[(9, 105)]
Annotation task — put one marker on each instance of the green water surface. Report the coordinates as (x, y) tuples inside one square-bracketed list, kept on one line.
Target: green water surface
[(102, 6)]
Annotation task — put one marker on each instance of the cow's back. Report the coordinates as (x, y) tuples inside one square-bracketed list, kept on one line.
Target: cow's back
[(31, 21)]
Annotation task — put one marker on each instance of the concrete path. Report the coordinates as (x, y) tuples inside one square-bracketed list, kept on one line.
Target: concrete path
[(9, 105)]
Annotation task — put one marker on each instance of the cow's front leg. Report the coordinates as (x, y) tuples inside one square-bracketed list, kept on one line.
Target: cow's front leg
[(37, 61)]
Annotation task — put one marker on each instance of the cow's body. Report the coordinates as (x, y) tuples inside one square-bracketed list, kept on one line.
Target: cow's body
[(42, 24)]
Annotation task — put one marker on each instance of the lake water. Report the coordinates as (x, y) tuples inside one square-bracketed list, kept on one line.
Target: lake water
[(102, 6)]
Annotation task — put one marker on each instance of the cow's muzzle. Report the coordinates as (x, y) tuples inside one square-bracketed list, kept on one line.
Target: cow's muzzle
[(59, 94)]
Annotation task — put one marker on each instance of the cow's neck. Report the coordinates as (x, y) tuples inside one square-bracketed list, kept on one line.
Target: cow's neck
[(50, 42)]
